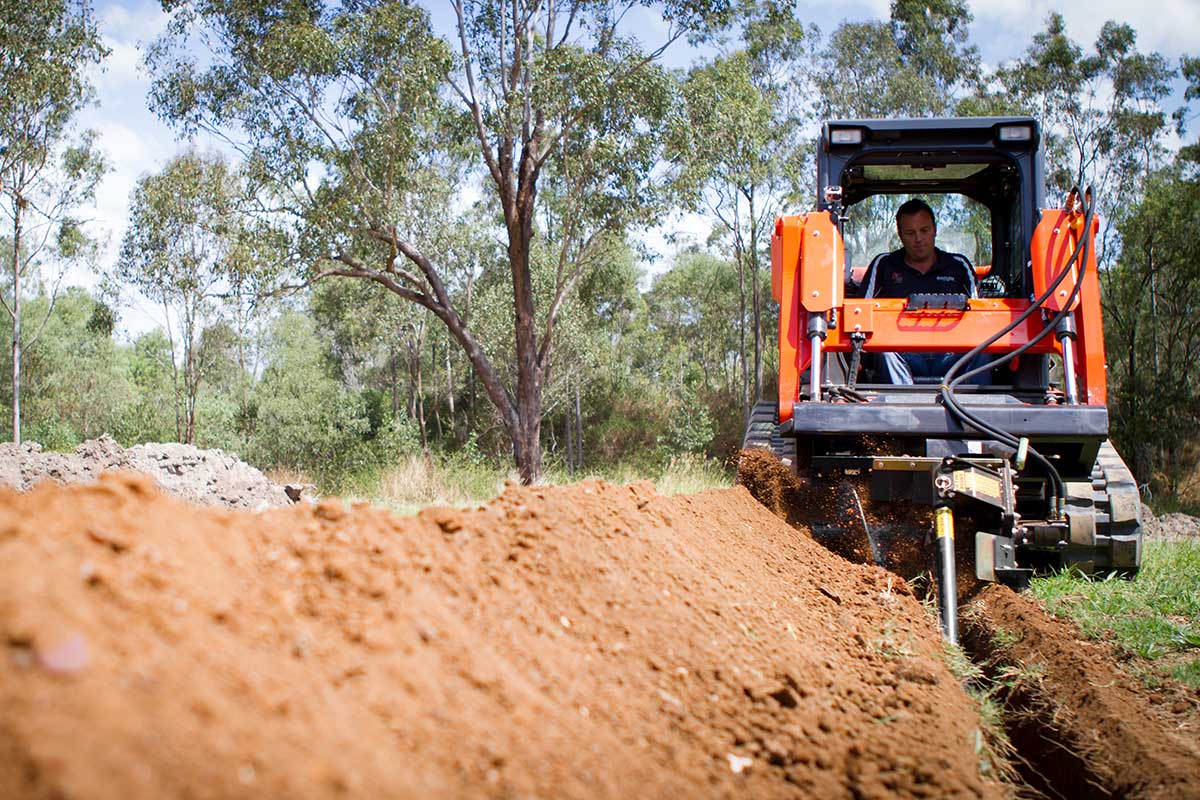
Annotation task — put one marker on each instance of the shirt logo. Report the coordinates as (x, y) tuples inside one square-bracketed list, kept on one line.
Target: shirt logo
[(897, 277), (946, 278)]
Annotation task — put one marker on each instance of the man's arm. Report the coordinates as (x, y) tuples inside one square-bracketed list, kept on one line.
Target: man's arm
[(965, 263), (869, 282)]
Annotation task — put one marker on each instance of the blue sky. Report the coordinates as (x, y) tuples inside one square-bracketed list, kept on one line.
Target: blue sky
[(136, 143)]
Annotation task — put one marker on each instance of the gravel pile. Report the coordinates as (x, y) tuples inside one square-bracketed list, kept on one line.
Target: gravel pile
[(206, 477), (1173, 527)]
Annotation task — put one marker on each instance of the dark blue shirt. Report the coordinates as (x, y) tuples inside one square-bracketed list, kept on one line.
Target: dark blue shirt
[(889, 276)]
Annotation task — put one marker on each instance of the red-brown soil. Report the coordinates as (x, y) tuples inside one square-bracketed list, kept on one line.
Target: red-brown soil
[(588, 641), (1086, 727)]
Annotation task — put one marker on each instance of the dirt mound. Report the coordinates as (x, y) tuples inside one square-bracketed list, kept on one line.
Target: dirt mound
[(207, 477), (589, 641), (1084, 725)]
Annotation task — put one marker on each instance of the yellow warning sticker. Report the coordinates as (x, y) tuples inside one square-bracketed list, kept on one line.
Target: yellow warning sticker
[(976, 483)]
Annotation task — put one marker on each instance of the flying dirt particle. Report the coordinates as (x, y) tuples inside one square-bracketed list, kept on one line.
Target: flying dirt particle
[(566, 623), (739, 764), (70, 656)]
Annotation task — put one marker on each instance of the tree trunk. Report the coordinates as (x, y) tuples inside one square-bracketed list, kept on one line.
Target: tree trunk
[(526, 433), (569, 435), (395, 382), (16, 318), (449, 388), (756, 294), (437, 407), (742, 334), (190, 378), (176, 389), (578, 428)]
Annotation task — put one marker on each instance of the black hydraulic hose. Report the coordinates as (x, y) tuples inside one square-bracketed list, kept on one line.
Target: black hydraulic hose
[(952, 379)]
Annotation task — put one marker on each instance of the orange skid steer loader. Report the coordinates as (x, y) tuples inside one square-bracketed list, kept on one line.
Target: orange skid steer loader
[(1013, 440)]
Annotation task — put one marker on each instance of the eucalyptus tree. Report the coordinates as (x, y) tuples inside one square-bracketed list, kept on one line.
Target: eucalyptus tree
[(738, 141), (1098, 108), (180, 250), (346, 107), (46, 173), (915, 64)]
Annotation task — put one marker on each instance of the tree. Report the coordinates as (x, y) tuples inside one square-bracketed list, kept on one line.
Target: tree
[(913, 65), (1154, 335), (739, 144), (1100, 111), (545, 88), (178, 250), (46, 48)]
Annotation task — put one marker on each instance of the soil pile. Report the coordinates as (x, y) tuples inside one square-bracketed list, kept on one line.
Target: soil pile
[(587, 641), (207, 477)]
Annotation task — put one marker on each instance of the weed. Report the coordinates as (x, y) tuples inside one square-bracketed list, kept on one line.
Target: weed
[(1003, 638)]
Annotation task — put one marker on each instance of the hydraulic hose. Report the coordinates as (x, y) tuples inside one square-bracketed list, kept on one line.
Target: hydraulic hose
[(953, 379)]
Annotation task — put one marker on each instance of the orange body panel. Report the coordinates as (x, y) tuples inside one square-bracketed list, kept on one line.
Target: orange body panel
[(806, 260), (785, 286), (821, 253)]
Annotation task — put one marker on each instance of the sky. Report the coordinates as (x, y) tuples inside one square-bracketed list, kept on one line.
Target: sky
[(136, 143)]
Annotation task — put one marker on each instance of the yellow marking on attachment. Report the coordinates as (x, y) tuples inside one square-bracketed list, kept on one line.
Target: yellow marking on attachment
[(943, 522)]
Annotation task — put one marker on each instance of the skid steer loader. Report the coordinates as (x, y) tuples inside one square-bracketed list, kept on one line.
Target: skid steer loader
[(1023, 460)]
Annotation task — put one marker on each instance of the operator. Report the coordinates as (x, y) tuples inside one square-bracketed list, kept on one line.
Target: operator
[(919, 268)]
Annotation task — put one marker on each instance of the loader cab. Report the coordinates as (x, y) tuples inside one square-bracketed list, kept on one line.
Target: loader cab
[(982, 176)]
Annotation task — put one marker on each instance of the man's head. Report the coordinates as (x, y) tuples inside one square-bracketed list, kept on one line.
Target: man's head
[(917, 229)]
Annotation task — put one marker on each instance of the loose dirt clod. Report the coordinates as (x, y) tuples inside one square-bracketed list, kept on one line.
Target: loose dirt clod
[(708, 649)]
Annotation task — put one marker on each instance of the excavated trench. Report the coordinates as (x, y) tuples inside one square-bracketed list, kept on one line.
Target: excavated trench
[(1075, 723)]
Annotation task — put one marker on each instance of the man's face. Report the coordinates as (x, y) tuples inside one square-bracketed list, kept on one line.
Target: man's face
[(917, 233)]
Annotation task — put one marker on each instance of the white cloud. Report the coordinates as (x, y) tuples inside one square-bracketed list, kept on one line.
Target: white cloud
[(1171, 27)]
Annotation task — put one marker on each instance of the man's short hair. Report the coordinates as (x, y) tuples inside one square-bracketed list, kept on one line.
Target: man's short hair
[(915, 206)]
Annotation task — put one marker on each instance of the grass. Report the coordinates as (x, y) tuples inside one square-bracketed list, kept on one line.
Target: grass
[(419, 481), (993, 749), (1155, 616)]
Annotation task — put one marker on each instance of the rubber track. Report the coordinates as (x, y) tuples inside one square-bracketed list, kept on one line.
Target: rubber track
[(763, 431), (1115, 498)]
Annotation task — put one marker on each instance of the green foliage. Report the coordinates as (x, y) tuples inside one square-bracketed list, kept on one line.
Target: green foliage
[(76, 381), (307, 420), (1153, 334), (48, 47), (184, 249), (1153, 616), (914, 65)]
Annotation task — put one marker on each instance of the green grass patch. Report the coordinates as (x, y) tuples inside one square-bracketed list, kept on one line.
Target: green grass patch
[(1155, 616)]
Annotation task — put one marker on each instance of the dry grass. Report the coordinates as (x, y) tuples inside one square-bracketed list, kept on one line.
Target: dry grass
[(420, 481)]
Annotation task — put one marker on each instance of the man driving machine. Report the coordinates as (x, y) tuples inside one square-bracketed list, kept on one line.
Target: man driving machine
[(919, 267)]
